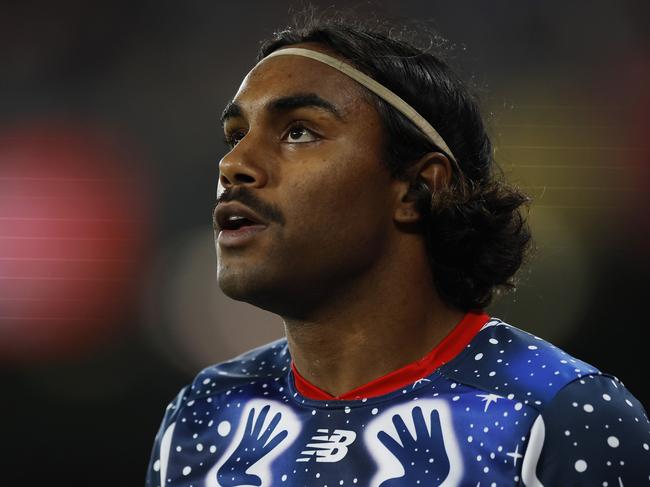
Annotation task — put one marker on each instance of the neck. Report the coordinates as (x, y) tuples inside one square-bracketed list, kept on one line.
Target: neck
[(386, 319)]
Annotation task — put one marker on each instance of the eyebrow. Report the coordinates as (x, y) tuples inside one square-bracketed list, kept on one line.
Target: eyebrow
[(285, 104)]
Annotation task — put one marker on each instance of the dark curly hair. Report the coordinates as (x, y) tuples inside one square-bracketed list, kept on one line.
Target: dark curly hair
[(475, 233)]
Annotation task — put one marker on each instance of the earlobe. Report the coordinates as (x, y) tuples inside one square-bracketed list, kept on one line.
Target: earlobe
[(407, 214)]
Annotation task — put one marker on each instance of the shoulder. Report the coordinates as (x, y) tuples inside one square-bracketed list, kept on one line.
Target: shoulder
[(594, 432), (586, 427), (267, 361), (505, 360)]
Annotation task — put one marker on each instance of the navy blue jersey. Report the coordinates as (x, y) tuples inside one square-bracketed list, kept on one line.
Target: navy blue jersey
[(509, 409)]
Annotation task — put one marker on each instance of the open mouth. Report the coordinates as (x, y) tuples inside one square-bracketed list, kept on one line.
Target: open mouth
[(234, 216), (236, 222)]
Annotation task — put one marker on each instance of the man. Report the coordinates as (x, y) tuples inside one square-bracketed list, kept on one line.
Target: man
[(358, 201)]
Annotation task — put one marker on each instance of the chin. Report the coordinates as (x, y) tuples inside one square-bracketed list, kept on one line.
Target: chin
[(259, 291), (235, 285), (242, 286)]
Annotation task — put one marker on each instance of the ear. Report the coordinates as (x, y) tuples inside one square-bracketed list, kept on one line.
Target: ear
[(433, 170)]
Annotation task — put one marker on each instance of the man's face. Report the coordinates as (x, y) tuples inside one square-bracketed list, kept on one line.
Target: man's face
[(307, 158)]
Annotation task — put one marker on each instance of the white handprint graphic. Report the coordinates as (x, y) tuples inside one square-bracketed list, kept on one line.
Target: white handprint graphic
[(404, 438), (266, 429)]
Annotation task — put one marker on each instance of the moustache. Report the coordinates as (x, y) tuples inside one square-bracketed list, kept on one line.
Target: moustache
[(268, 212)]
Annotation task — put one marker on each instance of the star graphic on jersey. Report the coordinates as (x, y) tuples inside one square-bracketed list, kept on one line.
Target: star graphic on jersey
[(515, 455), (489, 399), (419, 381)]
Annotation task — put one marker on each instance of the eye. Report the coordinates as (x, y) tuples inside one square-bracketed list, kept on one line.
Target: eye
[(233, 138), (299, 134)]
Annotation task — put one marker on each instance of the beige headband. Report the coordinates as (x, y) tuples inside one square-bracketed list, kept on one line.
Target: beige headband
[(378, 89)]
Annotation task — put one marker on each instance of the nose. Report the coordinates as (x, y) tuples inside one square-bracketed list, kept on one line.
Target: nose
[(237, 168)]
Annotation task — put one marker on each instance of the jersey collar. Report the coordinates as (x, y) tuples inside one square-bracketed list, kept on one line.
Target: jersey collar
[(450, 346)]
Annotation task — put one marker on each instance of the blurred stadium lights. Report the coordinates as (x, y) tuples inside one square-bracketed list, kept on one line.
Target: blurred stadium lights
[(73, 223), (571, 152)]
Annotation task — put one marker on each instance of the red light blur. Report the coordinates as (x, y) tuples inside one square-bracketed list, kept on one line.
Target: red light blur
[(72, 224)]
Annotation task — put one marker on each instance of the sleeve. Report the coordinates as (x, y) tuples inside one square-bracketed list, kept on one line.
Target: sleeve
[(158, 462), (593, 433)]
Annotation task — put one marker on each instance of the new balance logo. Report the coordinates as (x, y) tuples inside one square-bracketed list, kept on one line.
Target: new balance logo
[(328, 448)]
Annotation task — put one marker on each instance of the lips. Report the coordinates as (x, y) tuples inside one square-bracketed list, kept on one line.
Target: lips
[(234, 216), (237, 224)]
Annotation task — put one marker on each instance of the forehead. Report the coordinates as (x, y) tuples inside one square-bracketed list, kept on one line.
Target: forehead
[(283, 76)]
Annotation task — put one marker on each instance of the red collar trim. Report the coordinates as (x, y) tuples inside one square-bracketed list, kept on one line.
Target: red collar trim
[(447, 349)]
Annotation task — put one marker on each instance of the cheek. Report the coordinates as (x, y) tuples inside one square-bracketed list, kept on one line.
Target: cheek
[(339, 203)]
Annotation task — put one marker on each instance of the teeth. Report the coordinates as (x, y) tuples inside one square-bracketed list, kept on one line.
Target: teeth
[(235, 222)]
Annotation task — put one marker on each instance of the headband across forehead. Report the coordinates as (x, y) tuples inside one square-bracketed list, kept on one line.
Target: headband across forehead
[(377, 88)]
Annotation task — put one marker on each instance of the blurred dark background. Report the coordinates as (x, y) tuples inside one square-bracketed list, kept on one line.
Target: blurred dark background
[(109, 145)]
